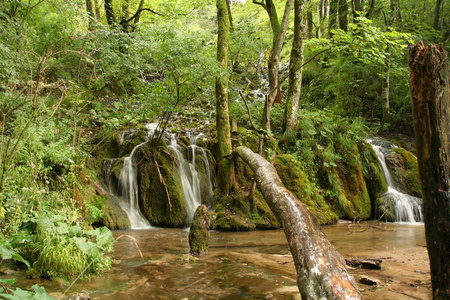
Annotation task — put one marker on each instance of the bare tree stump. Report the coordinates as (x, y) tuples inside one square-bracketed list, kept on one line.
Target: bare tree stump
[(429, 82), (321, 271)]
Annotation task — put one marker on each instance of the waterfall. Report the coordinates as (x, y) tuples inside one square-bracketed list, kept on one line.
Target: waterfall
[(189, 176), (406, 207), (129, 190)]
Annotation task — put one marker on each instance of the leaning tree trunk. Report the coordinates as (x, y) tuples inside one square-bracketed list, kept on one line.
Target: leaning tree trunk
[(321, 271), (430, 96)]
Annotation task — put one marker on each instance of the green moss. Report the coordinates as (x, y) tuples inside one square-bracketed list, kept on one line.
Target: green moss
[(408, 174), (354, 187), (199, 231), (113, 216), (240, 213), (296, 181), (373, 174), (156, 206)]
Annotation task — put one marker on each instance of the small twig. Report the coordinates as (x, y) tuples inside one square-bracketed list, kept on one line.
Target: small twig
[(134, 241), (161, 179), (250, 114)]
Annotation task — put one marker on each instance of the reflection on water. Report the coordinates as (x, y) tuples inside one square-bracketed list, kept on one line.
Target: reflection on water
[(240, 265)]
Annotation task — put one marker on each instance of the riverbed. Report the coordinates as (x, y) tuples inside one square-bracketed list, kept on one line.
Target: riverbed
[(154, 264)]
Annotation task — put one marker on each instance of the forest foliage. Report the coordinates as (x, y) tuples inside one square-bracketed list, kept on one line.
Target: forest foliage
[(73, 75)]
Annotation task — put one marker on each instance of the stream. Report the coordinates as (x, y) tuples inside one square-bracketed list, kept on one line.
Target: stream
[(249, 265)]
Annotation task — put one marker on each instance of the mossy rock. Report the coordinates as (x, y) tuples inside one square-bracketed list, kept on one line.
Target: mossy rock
[(238, 212), (297, 182), (354, 189), (373, 174), (405, 172), (199, 232), (113, 215), (385, 208), (156, 206), (131, 140)]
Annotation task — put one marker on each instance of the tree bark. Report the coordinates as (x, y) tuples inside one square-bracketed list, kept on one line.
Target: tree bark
[(109, 11), (321, 271), (295, 70), (222, 111), (343, 14), (332, 22), (430, 97), (278, 33), (437, 10), (91, 13)]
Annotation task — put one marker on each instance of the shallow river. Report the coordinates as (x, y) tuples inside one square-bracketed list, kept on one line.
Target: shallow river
[(250, 265)]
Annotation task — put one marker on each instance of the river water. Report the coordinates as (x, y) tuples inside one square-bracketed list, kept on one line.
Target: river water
[(249, 265)]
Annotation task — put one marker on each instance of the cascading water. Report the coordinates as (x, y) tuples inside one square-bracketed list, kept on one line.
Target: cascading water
[(406, 207), (190, 178), (129, 190)]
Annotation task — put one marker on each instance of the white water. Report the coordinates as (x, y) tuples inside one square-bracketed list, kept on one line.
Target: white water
[(129, 190), (190, 177), (189, 180), (406, 208)]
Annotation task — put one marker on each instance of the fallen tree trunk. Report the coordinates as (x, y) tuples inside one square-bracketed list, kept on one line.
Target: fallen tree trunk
[(321, 271)]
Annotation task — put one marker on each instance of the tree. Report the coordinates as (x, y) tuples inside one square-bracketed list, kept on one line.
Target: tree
[(222, 109), (278, 35), (321, 271), (295, 69), (430, 97)]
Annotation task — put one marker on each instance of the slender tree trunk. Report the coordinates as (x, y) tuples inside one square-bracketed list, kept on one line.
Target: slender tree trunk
[(91, 13), (370, 9), (295, 70), (321, 271), (97, 9), (343, 14), (323, 16), (222, 111), (395, 12), (125, 16), (387, 91), (332, 22), (279, 33), (109, 11), (430, 97), (309, 24), (437, 11), (138, 17)]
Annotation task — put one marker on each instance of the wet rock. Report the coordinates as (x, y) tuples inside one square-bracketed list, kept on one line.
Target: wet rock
[(7, 271), (404, 170), (297, 182), (199, 232), (369, 281), (113, 215)]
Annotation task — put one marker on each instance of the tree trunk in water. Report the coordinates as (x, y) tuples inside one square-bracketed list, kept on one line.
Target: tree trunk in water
[(295, 70), (321, 271), (430, 97), (222, 111)]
